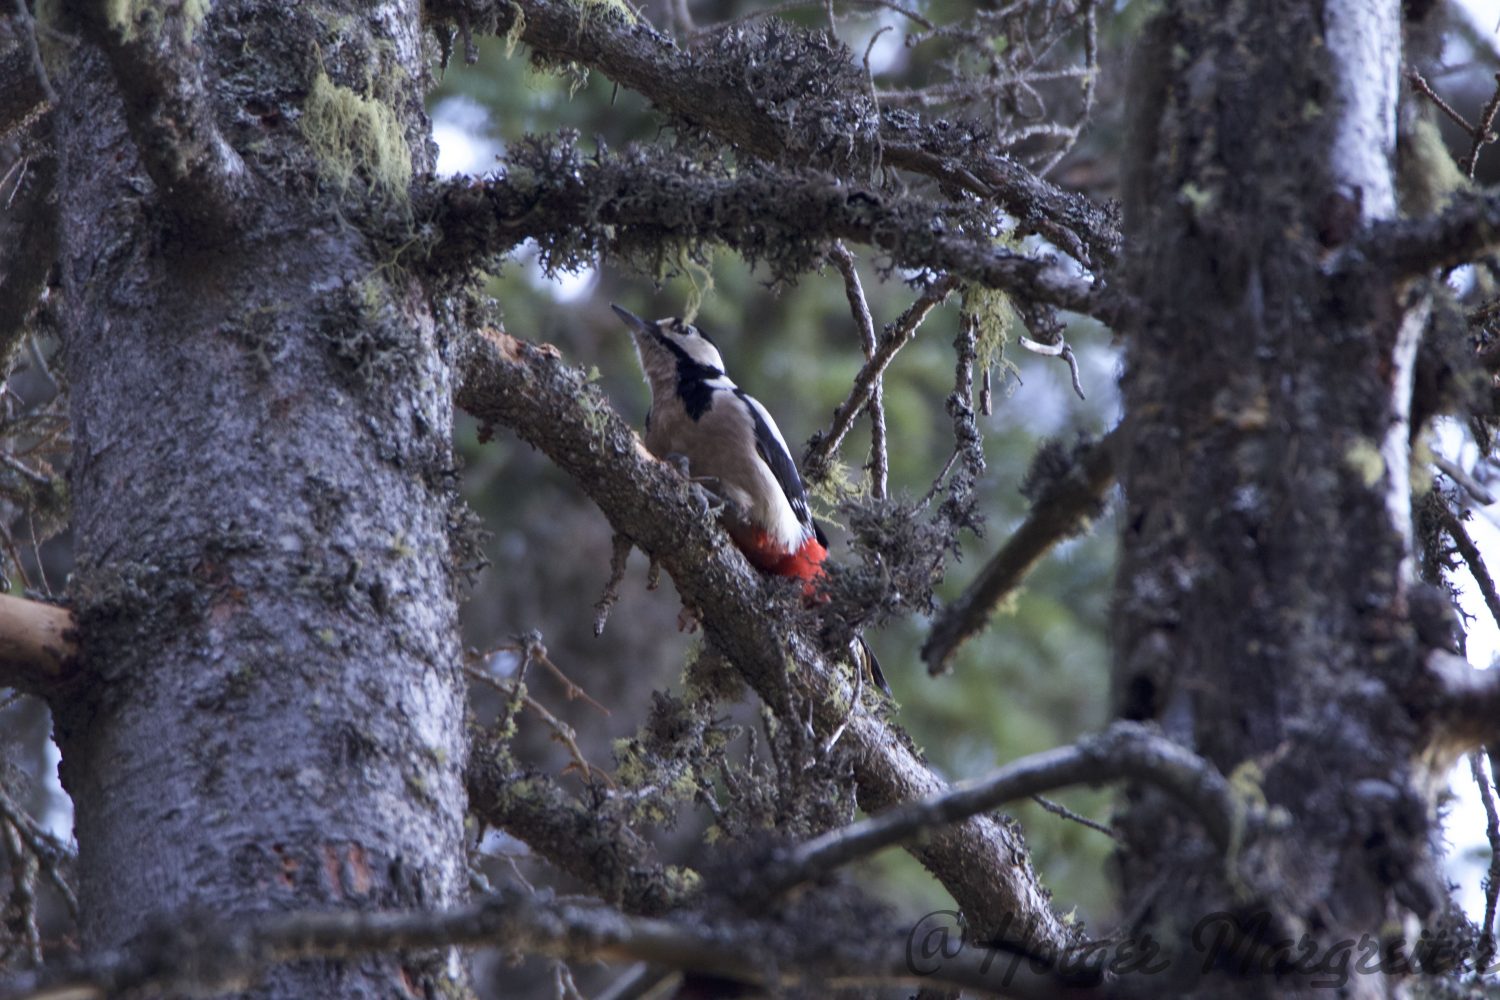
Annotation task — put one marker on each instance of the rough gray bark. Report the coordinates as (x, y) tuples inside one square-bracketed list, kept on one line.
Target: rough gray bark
[(271, 714), (1262, 600)]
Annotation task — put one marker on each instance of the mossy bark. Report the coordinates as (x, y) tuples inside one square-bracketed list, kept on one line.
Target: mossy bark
[(272, 712), (1261, 605)]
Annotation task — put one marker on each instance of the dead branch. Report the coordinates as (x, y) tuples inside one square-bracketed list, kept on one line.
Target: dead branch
[(554, 407), (1492, 875), (1462, 713), (36, 644), (859, 307), (1474, 560), (52, 856), (201, 958), (1124, 750), (1058, 512), (896, 335)]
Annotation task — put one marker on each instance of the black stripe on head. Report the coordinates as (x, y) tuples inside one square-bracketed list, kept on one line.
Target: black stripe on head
[(678, 326), (692, 378)]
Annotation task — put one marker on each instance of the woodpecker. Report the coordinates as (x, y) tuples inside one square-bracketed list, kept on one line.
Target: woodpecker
[(733, 447)]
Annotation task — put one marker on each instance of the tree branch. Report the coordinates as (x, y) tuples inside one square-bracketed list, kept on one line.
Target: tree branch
[(895, 336), (1068, 500), (36, 644), (859, 308), (199, 958), (630, 205), (812, 109), (1124, 750), (167, 108), (28, 232), (587, 841), (554, 408), (1462, 711), (23, 94), (1466, 229)]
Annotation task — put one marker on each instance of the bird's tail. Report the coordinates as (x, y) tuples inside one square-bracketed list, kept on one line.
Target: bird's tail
[(865, 659)]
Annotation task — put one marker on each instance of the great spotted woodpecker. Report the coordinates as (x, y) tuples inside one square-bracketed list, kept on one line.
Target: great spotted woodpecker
[(734, 448)]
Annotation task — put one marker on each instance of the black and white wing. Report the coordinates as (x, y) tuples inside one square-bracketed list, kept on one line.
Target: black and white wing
[(773, 451)]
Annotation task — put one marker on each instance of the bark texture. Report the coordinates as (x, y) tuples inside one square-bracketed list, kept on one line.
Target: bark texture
[(1261, 609), (262, 480)]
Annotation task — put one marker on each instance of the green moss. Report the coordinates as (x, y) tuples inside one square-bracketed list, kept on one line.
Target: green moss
[(355, 136), (682, 880), (134, 19), (1364, 458), (1198, 198)]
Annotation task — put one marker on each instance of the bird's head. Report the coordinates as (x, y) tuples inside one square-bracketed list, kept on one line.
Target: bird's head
[(670, 348)]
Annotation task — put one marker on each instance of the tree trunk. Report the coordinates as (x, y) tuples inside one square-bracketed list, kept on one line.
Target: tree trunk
[(272, 716), (1261, 606)]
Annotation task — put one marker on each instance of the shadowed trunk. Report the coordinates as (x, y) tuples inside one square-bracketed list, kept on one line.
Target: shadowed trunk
[(1261, 610), (272, 712)]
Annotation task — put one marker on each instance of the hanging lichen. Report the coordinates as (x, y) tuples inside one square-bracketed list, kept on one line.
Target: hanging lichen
[(353, 136)]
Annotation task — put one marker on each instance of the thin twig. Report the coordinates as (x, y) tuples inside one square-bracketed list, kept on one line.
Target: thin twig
[(1058, 809), (897, 335), (860, 307), (619, 554), (1470, 485), (21, 906), (206, 957), (1091, 65), (51, 854), (1420, 84), (1482, 134), (560, 729), (1057, 350), (1492, 876), (937, 483), (1054, 515), (1124, 750), (1474, 560)]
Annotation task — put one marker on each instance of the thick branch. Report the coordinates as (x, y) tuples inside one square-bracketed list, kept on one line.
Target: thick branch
[(36, 644), (554, 408), (1462, 713), (1124, 750), (789, 96), (631, 205), (198, 959), (168, 109), (1466, 229), (1067, 502)]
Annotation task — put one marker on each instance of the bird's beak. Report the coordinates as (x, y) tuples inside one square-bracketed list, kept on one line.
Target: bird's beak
[(632, 320)]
